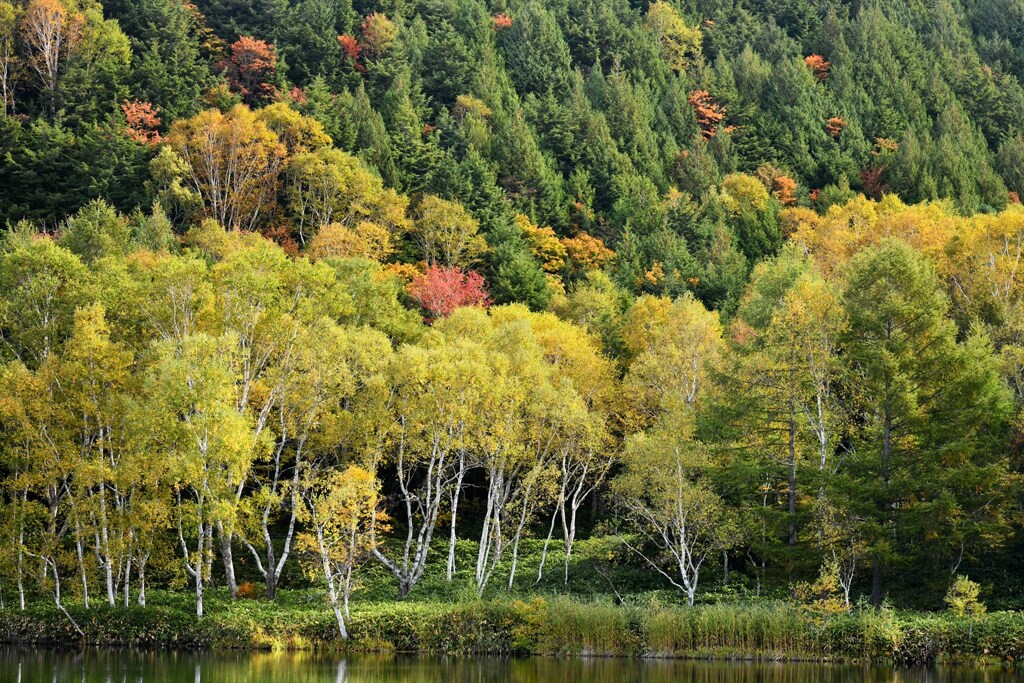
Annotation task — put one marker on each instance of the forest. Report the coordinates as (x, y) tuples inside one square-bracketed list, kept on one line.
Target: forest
[(699, 299)]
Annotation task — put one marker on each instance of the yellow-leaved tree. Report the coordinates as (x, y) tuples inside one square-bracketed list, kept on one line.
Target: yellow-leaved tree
[(342, 516)]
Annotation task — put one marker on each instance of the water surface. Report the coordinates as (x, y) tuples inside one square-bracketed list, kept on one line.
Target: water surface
[(27, 665)]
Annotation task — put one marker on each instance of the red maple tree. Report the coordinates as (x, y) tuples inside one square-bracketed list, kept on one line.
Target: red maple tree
[(439, 291)]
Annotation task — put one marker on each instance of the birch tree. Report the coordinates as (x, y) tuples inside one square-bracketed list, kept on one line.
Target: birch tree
[(665, 495), (209, 444), (436, 399), (233, 161), (342, 511)]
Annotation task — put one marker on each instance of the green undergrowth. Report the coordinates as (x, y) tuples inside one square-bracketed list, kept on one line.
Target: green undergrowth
[(542, 626)]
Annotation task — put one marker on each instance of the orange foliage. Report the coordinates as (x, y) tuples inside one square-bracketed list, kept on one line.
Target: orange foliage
[(251, 68), (586, 253), (784, 189), (656, 275), (352, 50), (709, 113), (819, 66), (404, 272), (247, 590), (834, 126), (143, 122), (501, 21)]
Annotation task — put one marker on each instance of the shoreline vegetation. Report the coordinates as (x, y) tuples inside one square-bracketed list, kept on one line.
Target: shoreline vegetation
[(544, 626)]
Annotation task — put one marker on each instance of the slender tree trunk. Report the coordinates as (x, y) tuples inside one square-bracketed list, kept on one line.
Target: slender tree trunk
[(142, 579), (515, 546), (792, 475), (228, 557), (127, 582), (547, 542), (877, 588), (207, 550), (455, 507), (496, 482), (108, 561), (21, 551), (200, 563), (332, 590), (81, 566)]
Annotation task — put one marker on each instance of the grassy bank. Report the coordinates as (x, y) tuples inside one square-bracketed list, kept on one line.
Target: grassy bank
[(544, 626)]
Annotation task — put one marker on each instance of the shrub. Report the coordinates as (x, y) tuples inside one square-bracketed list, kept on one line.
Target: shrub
[(962, 598)]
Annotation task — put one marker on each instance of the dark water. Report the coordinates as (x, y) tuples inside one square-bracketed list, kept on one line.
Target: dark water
[(25, 665)]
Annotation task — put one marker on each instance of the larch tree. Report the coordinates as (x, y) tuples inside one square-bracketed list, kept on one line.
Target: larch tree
[(927, 407)]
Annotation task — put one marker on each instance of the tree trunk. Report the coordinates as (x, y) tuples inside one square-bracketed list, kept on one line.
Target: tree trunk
[(229, 560), (332, 589), (547, 542), (142, 581), (876, 582), (883, 499), (207, 550), (271, 578), (81, 566), (455, 507), (127, 582), (792, 475)]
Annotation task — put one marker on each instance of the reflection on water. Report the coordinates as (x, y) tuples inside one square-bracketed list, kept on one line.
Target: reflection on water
[(25, 665)]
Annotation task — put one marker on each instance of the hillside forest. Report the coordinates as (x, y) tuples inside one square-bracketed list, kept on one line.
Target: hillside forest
[(693, 296)]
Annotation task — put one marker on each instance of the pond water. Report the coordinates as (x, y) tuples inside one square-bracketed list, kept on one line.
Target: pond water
[(27, 665)]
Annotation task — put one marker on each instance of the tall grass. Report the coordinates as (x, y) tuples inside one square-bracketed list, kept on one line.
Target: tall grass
[(770, 630), (554, 626)]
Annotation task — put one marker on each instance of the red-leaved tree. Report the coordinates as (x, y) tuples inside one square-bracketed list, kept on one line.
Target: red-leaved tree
[(819, 66), (708, 112), (251, 69), (350, 45), (501, 21), (439, 291), (142, 121)]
